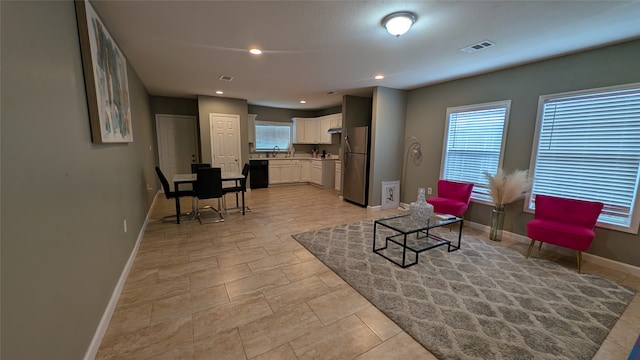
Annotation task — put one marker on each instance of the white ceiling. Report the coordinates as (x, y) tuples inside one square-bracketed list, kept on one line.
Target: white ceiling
[(181, 48)]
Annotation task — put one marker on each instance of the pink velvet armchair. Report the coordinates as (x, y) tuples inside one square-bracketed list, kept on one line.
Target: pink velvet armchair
[(564, 222), (453, 197)]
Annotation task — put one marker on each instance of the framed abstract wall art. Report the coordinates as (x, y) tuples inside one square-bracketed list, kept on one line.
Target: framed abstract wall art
[(105, 76)]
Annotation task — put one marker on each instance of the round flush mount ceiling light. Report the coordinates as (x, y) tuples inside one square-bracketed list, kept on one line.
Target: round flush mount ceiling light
[(255, 51), (379, 77), (398, 23), (303, 101), (219, 92)]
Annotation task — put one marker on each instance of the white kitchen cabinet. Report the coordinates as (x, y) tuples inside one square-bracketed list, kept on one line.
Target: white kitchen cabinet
[(296, 171), (289, 171), (311, 129), (279, 171), (299, 130), (325, 125), (338, 175), (275, 174), (323, 173), (315, 130), (305, 170), (336, 120), (306, 131), (285, 171), (316, 172)]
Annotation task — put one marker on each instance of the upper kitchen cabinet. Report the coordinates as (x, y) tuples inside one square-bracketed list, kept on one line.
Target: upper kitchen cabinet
[(325, 125), (299, 130), (315, 130), (335, 120)]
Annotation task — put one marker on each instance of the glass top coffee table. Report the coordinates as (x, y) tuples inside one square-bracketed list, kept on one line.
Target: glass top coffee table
[(407, 233)]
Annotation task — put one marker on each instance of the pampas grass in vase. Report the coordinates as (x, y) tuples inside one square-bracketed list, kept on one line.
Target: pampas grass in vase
[(504, 189)]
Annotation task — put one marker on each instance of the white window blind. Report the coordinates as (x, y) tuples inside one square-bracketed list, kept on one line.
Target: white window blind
[(270, 134), (474, 141), (588, 148)]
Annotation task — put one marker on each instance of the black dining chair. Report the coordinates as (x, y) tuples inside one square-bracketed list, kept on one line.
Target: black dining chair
[(173, 195), (209, 186), (195, 167), (242, 188)]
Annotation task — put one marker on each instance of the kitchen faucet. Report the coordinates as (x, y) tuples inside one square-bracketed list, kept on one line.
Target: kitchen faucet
[(275, 152)]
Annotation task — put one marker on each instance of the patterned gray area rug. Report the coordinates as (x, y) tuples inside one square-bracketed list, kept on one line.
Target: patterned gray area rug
[(480, 302)]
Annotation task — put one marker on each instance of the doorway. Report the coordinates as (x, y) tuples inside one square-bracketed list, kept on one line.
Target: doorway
[(225, 142), (177, 138)]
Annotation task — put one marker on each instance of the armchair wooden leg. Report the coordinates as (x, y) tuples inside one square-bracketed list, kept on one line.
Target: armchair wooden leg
[(531, 247), (579, 262), (540, 247)]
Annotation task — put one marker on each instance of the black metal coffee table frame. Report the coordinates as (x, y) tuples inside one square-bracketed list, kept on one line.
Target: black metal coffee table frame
[(406, 225)]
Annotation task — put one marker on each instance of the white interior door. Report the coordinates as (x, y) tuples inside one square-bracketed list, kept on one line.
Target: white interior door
[(225, 142), (177, 144)]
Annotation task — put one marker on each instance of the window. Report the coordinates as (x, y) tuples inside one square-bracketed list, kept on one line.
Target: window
[(474, 141), (271, 134), (587, 146)]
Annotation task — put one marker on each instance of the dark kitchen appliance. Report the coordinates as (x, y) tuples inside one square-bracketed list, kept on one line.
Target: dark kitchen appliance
[(356, 165), (259, 174)]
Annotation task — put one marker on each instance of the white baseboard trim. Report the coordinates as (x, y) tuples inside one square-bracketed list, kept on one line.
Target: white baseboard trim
[(594, 259), (611, 264), (402, 206), (92, 351)]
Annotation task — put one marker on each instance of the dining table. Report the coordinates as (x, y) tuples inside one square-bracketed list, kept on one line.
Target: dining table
[(190, 178)]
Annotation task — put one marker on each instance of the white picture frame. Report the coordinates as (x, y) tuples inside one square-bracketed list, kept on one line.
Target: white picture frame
[(390, 197)]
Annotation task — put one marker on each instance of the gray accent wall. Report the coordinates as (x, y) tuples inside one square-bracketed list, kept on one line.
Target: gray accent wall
[(523, 85), (219, 105), (266, 113), (387, 131), (356, 111), (174, 106), (64, 199)]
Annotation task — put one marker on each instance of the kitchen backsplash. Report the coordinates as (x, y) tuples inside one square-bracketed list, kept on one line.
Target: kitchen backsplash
[(304, 150)]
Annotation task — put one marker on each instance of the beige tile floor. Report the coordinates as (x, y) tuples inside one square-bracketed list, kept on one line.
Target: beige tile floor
[(244, 289)]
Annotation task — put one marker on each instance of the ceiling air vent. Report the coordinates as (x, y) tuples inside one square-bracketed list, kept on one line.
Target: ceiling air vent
[(478, 46), (225, 78)]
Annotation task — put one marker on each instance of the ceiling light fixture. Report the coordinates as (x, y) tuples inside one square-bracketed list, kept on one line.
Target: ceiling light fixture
[(219, 92), (303, 101), (398, 23), (255, 51), (379, 77)]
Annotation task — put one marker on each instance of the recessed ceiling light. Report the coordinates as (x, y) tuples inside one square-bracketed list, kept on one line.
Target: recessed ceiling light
[(219, 92), (379, 77), (255, 51), (303, 101)]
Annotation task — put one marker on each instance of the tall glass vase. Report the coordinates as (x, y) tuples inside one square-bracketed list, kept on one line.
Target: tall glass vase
[(421, 209), (497, 223)]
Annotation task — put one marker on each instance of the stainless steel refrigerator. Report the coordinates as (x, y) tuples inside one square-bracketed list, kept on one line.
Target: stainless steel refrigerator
[(355, 165)]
